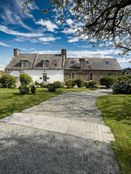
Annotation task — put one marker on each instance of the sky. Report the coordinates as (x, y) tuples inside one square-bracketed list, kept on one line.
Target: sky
[(32, 31)]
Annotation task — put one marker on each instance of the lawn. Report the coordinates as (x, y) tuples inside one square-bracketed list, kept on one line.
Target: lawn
[(116, 111), (11, 101)]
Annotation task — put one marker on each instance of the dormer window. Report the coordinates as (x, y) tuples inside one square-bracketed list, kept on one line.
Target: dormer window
[(45, 63), (108, 63), (24, 63)]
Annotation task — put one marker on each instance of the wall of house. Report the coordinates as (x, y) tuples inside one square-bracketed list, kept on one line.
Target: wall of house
[(37, 75), (88, 75)]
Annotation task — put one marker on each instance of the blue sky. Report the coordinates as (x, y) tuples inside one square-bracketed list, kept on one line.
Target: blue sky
[(36, 32)]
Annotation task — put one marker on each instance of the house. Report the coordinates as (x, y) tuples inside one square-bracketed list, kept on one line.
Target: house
[(90, 68), (41, 67), (52, 67)]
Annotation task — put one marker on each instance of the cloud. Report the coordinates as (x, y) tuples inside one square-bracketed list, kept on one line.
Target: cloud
[(47, 39), (50, 26), (70, 22), (2, 67), (4, 44), (125, 62), (75, 39), (17, 33), (69, 31)]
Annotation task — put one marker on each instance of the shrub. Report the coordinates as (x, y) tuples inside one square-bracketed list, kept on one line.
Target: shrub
[(57, 84), (33, 89), (70, 83), (108, 81), (122, 87), (51, 87), (79, 82), (24, 89), (7, 81), (91, 84), (25, 79), (43, 85)]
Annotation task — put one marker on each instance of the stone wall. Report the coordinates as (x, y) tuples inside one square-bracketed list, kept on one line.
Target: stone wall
[(88, 75)]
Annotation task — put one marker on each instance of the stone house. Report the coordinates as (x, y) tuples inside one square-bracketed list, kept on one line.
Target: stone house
[(52, 67)]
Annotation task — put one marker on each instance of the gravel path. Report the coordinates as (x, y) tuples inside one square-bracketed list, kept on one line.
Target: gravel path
[(31, 143)]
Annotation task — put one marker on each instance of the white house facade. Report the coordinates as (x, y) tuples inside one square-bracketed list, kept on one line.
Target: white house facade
[(41, 67)]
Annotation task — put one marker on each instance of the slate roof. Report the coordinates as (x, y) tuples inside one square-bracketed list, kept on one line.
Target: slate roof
[(92, 64), (35, 61)]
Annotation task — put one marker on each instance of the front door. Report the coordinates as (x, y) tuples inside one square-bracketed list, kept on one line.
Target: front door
[(44, 77)]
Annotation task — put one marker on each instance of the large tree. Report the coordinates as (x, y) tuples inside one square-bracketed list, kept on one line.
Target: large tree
[(100, 20)]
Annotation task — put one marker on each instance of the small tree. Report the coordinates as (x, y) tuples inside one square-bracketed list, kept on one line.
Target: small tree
[(7, 81), (25, 79), (108, 81)]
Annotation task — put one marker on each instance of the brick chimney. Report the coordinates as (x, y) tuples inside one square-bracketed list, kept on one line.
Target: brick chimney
[(16, 52)]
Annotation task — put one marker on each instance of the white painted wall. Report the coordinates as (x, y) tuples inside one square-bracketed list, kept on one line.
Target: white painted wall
[(36, 75)]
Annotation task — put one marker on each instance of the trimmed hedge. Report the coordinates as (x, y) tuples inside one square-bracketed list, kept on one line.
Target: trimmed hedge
[(91, 84), (70, 83), (25, 79), (79, 83)]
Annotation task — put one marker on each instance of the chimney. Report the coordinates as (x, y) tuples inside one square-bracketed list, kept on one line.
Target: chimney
[(16, 52), (63, 53)]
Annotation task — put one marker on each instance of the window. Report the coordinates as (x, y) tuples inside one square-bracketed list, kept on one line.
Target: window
[(87, 62), (72, 76), (24, 63), (45, 63), (55, 64), (44, 77), (91, 76)]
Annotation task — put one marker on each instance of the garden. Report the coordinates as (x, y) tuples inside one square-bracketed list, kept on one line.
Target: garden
[(115, 108)]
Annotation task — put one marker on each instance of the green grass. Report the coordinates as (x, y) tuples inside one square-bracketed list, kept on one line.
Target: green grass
[(116, 111), (11, 101)]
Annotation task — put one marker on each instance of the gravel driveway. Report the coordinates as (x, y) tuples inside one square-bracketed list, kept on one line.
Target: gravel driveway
[(64, 135)]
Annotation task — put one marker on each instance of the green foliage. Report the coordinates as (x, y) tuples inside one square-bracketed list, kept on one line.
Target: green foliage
[(57, 84), (25, 79), (51, 87), (24, 89), (7, 81), (122, 87), (117, 114), (108, 81), (91, 84), (70, 83), (33, 89), (79, 82)]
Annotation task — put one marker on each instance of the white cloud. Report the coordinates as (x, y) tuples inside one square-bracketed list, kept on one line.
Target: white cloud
[(2, 67), (124, 62), (70, 22), (50, 26), (75, 39), (17, 33), (4, 44), (69, 31), (47, 39)]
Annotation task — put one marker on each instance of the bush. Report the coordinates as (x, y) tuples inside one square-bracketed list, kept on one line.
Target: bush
[(70, 83), (122, 87), (91, 84), (33, 89), (79, 82), (24, 89), (108, 81), (57, 84), (43, 85), (51, 87), (7, 81), (25, 79)]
